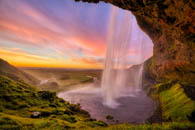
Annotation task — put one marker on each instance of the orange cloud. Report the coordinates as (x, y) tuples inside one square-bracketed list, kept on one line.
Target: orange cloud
[(28, 34), (30, 26), (96, 48), (20, 58), (25, 34), (90, 61), (16, 53)]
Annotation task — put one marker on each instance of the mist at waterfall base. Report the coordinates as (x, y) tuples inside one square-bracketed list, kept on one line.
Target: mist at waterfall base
[(118, 94)]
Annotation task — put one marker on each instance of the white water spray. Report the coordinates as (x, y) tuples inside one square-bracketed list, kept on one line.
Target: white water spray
[(127, 46), (123, 33)]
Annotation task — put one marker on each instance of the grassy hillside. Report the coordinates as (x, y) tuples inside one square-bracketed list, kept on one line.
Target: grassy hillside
[(24, 107), (176, 105), (16, 74)]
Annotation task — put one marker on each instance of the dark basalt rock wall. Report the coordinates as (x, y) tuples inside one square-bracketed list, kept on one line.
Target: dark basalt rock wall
[(171, 26)]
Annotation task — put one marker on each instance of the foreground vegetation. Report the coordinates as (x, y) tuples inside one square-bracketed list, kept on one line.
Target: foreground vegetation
[(23, 107), (175, 104)]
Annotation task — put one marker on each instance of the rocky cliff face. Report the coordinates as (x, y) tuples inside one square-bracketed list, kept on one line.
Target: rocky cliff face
[(171, 26)]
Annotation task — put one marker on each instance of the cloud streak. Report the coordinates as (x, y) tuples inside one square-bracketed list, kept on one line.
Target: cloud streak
[(68, 33), (20, 58)]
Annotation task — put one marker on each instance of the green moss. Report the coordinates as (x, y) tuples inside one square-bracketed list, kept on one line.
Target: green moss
[(8, 123), (163, 86), (97, 124), (69, 118), (175, 104), (18, 101)]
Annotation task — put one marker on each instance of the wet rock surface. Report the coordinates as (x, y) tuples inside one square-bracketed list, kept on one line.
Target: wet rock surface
[(35, 115)]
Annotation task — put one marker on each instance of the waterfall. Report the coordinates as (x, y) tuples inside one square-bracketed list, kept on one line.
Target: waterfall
[(123, 33)]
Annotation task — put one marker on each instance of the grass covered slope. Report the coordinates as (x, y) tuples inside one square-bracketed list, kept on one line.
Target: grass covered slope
[(14, 73), (23, 107), (175, 104)]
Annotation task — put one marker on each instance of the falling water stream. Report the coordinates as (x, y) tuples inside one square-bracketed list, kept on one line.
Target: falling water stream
[(118, 95), (114, 79)]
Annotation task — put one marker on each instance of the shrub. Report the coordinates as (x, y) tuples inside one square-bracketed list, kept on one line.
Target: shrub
[(7, 123), (46, 113), (69, 118), (46, 95)]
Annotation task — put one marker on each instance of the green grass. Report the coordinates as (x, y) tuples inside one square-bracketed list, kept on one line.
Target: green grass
[(175, 104), (18, 101)]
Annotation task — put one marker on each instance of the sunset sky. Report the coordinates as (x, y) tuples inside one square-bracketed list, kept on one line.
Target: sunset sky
[(55, 33)]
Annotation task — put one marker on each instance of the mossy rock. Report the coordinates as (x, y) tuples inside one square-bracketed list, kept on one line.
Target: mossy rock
[(69, 118), (8, 123), (46, 95), (175, 104)]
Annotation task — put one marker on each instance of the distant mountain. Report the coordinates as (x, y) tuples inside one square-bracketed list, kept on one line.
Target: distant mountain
[(16, 74)]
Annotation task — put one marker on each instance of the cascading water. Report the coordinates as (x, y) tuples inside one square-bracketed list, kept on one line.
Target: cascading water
[(122, 76), (123, 33)]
